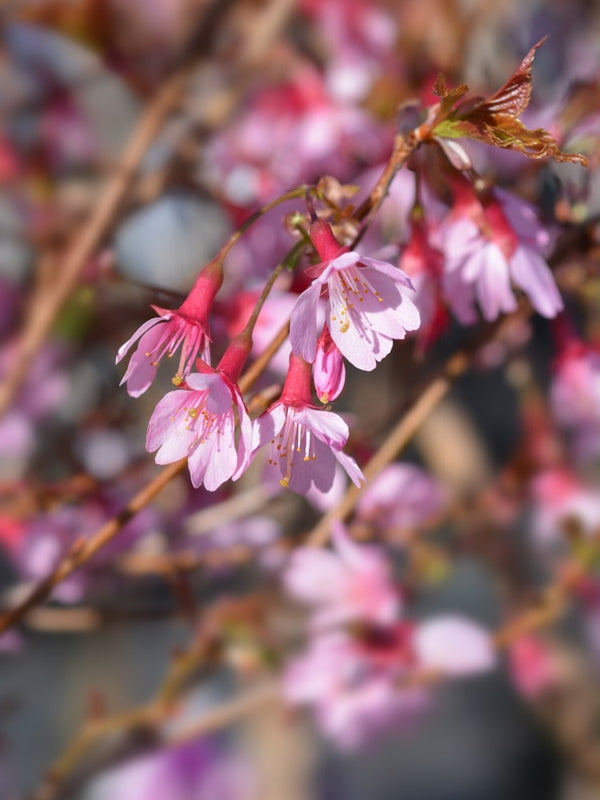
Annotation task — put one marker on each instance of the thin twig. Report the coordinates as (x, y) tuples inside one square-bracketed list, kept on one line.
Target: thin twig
[(83, 549), (408, 425), (42, 314)]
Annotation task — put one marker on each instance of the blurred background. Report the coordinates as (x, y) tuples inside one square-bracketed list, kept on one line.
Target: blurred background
[(135, 137)]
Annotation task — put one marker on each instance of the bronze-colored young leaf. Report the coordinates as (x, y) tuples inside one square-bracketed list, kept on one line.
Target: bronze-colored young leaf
[(495, 120), (513, 98)]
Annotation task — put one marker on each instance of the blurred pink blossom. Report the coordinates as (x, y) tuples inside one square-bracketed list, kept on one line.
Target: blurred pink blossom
[(532, 665), (372, 674), (561, 498), (350, 583), (492, 243), (403, 496)]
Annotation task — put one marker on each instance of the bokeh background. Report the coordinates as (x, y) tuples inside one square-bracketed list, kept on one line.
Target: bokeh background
[(276, 93)]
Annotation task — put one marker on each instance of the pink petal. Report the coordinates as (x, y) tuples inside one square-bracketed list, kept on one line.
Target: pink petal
[(349, 464), (146, 326), (389, 270), (198, 462), (245, 449), (329, 427), (167, 416), (493, 285), (303, 323), (344, 261), (360, 344), (223, 455), (530, 272)]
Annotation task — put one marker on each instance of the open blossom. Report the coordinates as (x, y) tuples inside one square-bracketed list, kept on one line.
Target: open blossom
[(198, 421), (351, 583), (368, 304), (305, 442), (185, 327), (361, 670), (491, 244), (361, 685), (355, 695)]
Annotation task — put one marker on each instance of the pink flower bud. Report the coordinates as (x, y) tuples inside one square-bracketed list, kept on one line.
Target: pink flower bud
[(329, 369)]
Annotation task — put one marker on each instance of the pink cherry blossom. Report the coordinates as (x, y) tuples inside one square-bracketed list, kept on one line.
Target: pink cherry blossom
[(185, 327), (359, 679), (351, 583), (355, 696), (305, 442), (198, 422), (492, 244), (368, 304)]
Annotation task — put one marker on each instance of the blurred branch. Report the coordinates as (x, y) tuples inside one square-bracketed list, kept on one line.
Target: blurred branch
[(84, 549), (162, 708), (409, 423), (44, 309)]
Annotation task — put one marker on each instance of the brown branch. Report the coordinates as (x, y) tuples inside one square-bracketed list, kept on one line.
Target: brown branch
[(83, 549), (42, 314), (409, 423), (162, 707)]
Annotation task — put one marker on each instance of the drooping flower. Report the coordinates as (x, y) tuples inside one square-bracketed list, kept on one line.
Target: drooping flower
[(366, 669), (305, 442), (368, 304), (198, 421), (355, 694), (491, 243), (186, 327), (351, 583), (422, 261)]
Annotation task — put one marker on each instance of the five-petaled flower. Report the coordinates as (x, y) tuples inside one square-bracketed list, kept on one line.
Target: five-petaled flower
[(491, 243), (198, 421), (368, 303), (305, 442), (186, 326)]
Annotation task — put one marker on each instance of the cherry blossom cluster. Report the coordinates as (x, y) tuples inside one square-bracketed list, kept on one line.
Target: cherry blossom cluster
[(366, 304), (368, 666)]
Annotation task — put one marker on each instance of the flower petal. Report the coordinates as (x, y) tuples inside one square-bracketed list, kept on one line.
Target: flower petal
[(530, 273), (303, 323)]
